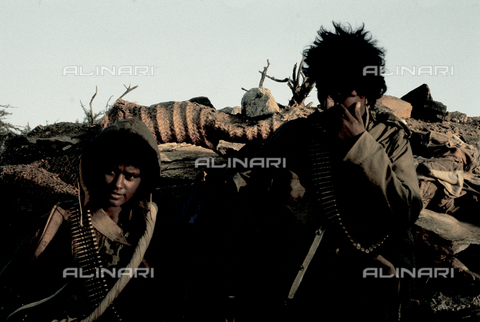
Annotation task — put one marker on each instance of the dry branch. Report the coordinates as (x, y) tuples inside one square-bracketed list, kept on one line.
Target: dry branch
[(91, 101), (129, 89), (298, 84), (106, 105), (264, 74), (278, 80)]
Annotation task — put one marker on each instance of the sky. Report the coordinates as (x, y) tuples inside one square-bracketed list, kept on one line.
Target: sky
[(54, 54)]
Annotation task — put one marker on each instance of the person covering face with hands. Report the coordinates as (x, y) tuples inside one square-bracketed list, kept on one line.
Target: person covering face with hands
[(374, 186)]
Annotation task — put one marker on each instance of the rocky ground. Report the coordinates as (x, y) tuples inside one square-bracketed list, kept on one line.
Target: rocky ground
[(40, 168)]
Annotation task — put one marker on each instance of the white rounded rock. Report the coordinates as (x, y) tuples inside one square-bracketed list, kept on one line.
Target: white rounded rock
[(259, 101)]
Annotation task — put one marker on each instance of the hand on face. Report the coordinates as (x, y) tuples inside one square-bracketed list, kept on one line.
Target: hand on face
[(351, 108)]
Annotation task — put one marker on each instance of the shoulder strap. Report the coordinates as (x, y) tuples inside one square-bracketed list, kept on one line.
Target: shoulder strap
[(137, 258), (55, 220), (306, 263)]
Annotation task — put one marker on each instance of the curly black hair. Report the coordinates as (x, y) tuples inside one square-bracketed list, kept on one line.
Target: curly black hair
[(120, 147), (346, 60)]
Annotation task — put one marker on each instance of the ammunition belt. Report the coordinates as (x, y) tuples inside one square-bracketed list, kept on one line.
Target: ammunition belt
[(321, 174), (86, 252), (322, 182)]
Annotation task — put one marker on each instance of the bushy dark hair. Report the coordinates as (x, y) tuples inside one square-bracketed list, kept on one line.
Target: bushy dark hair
[(119, 148), (336, 63)]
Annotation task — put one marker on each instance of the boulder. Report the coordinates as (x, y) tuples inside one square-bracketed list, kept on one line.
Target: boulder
[(259, 101), (457, 116), (423, 105), (460, 234), (399, 107)]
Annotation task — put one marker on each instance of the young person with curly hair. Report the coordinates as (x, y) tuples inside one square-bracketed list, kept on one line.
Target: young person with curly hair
[(341, 210)]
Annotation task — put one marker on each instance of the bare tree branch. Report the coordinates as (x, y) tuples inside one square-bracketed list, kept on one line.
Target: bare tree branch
[(300, 68), (106, 105), (294, 74), (300, 88), (278, 80), (7, 106), (129, 89), (298, 84), (91, 101), (264, 74)]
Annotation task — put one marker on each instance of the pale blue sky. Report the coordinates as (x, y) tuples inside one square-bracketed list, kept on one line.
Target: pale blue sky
[(214, 48)]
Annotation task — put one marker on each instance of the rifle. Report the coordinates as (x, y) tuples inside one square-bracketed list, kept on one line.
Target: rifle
[(322, 182)]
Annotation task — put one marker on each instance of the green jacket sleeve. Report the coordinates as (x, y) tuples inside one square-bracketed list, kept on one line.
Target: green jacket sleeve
[(380, 169)]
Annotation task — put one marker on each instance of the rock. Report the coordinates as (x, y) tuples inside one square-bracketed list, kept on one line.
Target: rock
[(232, 110), (460, 234), (202, 100), (259, 101), (225, 148), (455, 308), (468, 132), (226, 110), (457, 116), (423, 105), (434, 110), (418, 95), (400, 108)]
